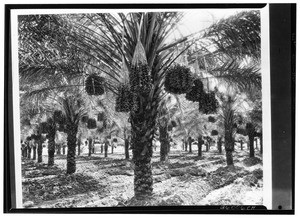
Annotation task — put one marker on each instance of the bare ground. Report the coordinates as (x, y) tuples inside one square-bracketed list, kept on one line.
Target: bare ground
[(184, 179)]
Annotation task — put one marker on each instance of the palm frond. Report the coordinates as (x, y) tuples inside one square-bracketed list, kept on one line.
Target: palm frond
[(238, 35), (244, 77)]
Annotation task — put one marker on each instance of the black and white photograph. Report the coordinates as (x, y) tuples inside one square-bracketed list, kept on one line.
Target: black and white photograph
[(136, 107)]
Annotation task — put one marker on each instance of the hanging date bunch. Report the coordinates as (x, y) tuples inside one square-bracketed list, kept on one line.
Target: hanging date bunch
[(173, 122), (214, 132), (94, 85), (91, 123), (211, 119), (100, 116), (84, 119), (178, 79), (196, 92), (124, 98), (208, 104), (139, 76)]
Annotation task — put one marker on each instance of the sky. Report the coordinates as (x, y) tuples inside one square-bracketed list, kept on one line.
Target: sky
[(199, 19)]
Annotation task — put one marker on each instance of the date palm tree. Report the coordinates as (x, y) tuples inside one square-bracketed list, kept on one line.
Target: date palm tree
[(103, 42), (51, 75), (230, 50), (124, 31), (73, 109)]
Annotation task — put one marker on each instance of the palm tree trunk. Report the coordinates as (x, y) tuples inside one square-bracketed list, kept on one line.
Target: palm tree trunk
[(251, 144), (51, 148), (190, 145), (229, 158), (28, 152), (71, 138), (142, 132), (207, 146), (78, 145), (40, 151), (112, 147), (90, 146), (25, 150), (229, 142), (106, 148), (64, 149), (126, 149), (58, 151), (34, 152), (220, 145), (261, 143), (164, 142), (200, 142)]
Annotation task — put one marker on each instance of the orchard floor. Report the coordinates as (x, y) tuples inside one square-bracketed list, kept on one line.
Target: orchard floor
[(184, 179)]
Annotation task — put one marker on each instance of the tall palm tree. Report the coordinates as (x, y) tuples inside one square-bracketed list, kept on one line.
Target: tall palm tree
[(167, 112), (52, 74), (255, 121), (228, 115), (232, 105), (74, 109), (151, 29), (230, 50)]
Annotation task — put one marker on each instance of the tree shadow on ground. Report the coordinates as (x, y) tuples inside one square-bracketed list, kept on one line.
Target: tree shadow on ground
[(59, 186)]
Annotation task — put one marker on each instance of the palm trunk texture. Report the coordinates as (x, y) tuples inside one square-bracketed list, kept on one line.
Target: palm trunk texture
[(58, 152), (190, 145), (71, 138), (220, 145), (207, 146), (78, 145), (90, 146), (200, 142), (40, 151), (142, 132), (51, 143), (126, 149), (251, 144), (229, 143), (34, 152), (261, 144), (29, 152), (51, 148), (105, 148), (164, 142)]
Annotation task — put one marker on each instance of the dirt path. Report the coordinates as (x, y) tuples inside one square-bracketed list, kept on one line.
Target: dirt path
[(183, 180)]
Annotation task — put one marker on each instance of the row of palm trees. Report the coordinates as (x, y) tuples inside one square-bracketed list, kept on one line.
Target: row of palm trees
[(57, 55)]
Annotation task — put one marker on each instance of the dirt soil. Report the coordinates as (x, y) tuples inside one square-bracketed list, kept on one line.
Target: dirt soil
[(184, 179)]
